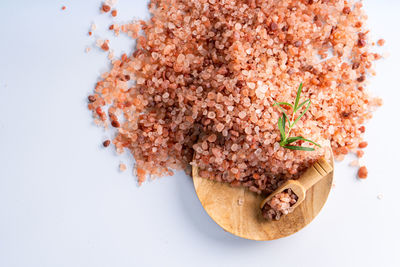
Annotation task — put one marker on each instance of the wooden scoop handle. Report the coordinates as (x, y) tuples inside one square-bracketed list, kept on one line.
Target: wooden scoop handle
[(315, 173)]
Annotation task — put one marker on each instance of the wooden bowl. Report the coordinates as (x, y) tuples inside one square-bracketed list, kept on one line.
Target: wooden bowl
[(237, 210)]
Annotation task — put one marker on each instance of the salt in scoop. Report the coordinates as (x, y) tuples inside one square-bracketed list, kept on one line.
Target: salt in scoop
[(313, 175)]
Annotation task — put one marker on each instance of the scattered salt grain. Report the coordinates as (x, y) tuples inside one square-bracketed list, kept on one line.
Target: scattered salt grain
[(122, 167), (99, 42), (111, 2), (354, 163), (93, 27), (362, 172), (110, 55), (105, 46), (105, 8)]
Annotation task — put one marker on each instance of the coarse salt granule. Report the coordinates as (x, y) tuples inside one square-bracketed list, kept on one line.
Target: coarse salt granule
[(111, 2), (93, 27), (122, 167)]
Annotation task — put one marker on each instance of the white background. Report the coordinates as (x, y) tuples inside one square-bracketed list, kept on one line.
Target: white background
[(63, 201)]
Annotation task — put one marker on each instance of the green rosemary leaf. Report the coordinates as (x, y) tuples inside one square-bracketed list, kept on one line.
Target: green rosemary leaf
[(304, 112), (294, 139), (284, 122), (301, 105), (283, 110), (296, 102), (312, 142), (281, 129), (284, 103), (300, 148)]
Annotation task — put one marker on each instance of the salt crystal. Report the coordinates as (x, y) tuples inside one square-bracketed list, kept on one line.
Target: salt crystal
[(220, 127), (242, 114), (234, 147), (180, 59), (122, 167), (93, 27), (247, 130), (354, 163), (111, 2), (99, 42), (211, 115), (159, 129), (251, 85), (212, 138), (238, 26)]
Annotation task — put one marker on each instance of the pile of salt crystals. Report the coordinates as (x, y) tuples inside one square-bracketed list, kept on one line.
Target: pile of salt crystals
[(201, 85), (279, 205)]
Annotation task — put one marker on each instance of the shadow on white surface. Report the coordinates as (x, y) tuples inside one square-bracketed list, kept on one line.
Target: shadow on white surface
[(198, 217)]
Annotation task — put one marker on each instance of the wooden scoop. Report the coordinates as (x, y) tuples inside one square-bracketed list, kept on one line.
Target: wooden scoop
[(313, 175), (237, 210)]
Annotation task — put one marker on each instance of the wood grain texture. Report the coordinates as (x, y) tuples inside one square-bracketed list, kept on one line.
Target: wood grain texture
[(237, 210)]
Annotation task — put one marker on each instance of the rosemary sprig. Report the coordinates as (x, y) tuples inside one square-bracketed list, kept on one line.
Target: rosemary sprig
[(286, 140)]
